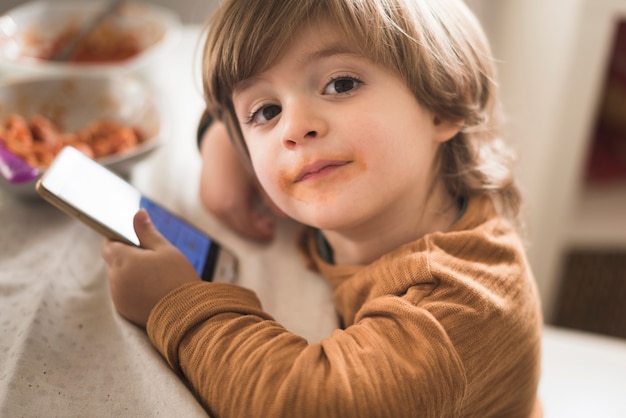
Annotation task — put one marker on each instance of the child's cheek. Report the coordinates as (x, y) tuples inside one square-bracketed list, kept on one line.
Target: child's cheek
[(269, 178)]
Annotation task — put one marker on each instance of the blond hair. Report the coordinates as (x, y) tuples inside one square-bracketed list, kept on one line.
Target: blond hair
[(436, 46)]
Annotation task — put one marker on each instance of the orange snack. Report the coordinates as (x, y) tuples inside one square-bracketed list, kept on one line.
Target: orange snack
[(108, 42), (40, 140), (17, 136)]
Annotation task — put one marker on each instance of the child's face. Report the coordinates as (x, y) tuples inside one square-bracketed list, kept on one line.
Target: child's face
[(337, 141)]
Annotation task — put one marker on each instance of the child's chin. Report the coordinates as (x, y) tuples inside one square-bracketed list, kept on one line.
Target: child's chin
[(325, 222), (325, 214)]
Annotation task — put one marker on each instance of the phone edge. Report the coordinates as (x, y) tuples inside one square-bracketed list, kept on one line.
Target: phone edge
[(77, 214)]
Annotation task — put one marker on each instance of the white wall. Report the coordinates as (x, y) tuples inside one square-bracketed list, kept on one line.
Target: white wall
[(552, 60), (532, 41)]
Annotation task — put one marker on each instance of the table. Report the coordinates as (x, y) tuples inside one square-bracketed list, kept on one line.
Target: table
[(64, 351), (583, 375)]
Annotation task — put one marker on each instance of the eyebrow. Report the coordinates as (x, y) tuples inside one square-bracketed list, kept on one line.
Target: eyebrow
[(338, 48)]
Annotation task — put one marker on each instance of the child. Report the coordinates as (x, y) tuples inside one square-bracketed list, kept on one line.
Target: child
[(374, 122)]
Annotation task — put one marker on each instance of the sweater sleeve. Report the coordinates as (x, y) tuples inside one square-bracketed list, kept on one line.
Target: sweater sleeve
[(396, 360)]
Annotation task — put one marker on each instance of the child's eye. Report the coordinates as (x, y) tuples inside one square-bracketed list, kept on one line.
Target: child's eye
[(263, 114), (342, 84)]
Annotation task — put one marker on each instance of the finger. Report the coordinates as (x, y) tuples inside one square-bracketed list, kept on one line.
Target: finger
[(149, 236), (105, 251), (109, 249), (251, 224), (263, 226), (250, 217)]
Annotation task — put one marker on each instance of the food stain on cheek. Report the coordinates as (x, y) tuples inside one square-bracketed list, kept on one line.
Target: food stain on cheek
[(285, 183)]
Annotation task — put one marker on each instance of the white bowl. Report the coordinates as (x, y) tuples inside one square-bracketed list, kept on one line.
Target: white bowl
[(26, 29), (73, 102)]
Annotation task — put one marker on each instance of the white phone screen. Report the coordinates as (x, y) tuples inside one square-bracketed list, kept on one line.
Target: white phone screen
[(95, 191), (111, 201)]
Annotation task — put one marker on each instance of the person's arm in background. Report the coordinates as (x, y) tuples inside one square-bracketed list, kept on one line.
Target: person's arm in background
[(228, 189)]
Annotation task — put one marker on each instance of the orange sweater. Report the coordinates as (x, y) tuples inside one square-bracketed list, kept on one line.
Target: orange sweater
[(446, 326)]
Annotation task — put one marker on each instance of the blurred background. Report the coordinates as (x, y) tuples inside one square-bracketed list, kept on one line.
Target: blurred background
[(562, 71)]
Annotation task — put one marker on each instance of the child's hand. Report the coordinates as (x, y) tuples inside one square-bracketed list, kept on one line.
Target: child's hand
[(140, 277), (230, 191)]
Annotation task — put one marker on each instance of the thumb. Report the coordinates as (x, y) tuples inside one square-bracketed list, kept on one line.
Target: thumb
[(149, 236)]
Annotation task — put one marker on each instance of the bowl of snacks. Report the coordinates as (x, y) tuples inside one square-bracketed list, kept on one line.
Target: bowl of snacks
[(77, 36), (116, 120)]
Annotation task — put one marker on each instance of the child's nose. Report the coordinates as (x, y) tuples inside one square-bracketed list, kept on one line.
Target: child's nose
[(290, 142), (302, 123)]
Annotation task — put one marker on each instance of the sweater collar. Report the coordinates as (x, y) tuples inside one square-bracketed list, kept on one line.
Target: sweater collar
[(318, 254)]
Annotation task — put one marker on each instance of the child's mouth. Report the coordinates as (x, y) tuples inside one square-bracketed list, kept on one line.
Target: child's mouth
[(319, 169)]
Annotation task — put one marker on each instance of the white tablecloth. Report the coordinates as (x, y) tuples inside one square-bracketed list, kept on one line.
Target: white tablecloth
[(65, 352)]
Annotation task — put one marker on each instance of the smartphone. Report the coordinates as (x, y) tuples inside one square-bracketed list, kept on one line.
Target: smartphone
[(93, 194)]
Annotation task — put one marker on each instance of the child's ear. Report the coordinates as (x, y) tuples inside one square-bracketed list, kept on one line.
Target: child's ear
[(446, 129)]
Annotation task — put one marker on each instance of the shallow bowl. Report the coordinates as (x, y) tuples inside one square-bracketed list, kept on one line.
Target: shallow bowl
[(29, 34), (73, 102)]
